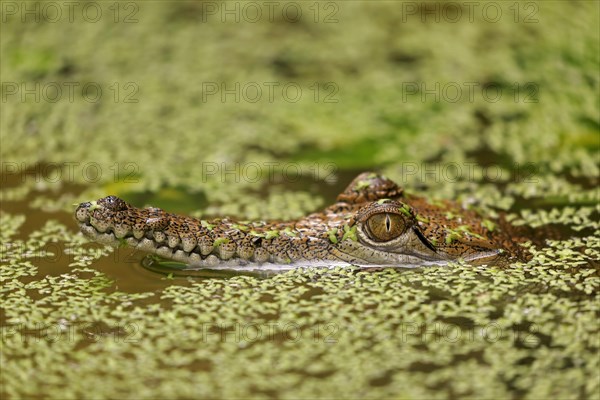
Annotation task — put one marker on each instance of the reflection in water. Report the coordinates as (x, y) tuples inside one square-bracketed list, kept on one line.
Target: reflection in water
[(176, 269)]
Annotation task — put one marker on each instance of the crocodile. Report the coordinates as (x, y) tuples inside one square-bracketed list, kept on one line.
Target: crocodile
[(372, 223)]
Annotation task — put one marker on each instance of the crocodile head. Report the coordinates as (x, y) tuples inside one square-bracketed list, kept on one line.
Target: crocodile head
[(397, 229), (372, 223)]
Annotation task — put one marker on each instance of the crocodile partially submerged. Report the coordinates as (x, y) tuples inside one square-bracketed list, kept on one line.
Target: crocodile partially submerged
[(372, 223)]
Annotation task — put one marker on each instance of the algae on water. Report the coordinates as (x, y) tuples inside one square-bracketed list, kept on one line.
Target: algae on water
[(378, 84)]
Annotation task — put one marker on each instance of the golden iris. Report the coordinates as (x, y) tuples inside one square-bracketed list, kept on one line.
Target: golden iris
[(385, 226)]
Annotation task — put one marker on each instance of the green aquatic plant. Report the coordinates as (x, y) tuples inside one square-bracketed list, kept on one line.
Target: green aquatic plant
[(80, 320)]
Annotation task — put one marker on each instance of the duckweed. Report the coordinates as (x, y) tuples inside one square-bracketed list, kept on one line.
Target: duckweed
[(82, 320)]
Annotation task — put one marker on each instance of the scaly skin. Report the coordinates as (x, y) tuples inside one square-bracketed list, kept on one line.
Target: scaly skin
[(372, 223)]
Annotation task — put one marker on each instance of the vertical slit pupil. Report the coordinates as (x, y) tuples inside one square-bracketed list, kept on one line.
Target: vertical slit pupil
[(388, 222)]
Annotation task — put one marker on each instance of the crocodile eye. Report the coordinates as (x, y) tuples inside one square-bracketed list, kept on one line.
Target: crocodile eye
[(385, 226)]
